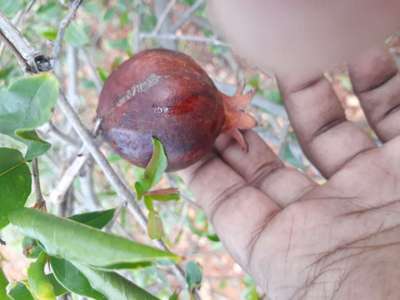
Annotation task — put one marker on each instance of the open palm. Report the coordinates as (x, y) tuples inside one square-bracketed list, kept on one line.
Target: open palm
[(300, 240)]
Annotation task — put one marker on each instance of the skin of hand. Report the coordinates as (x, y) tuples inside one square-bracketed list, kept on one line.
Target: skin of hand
[(301, 240)]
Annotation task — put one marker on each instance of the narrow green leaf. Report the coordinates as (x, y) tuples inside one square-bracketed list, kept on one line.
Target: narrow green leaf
[(114, 286), (164, 195), (149, 203), (174, 296), (59, 290), (139, 190), (213, 237), (3, 286), (36, 146), (49, 33), (72, 279), (154, 170), (96, 219), (155, 226), (20, 292), (194, 275), (103, 74), (73, 241), (39, 285), (15, 183)]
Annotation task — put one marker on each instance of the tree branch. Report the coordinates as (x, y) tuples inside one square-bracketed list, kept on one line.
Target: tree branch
[(63, 26), (163, 16), (189, 38), (187, 15), (31, 59)]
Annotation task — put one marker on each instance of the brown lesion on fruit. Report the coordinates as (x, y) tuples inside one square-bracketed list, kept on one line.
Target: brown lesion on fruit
[(136, 89), (236, 118)]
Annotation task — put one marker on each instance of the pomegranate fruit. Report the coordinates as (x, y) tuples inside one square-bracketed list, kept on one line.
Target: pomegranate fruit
[(167, 95)]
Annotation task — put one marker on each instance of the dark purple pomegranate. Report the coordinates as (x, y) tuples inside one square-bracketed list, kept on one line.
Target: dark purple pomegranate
[(166, 94)]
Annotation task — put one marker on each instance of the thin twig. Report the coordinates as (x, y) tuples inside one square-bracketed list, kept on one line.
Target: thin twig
[(137, 20), (189, 38), (95, 76), (120, 187), (163, 16), (63, 26), (160, 7), (36, 183), (187, 15), (87, 185), (57, 193), (62, 136)]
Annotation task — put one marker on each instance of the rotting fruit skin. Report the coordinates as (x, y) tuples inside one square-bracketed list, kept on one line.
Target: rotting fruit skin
[(163, 94)]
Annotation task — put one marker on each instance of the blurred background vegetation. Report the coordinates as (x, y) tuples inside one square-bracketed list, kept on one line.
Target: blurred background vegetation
[(103, 34)]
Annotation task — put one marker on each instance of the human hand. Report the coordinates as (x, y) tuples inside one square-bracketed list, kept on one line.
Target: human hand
[(298, 40), (301, 240)]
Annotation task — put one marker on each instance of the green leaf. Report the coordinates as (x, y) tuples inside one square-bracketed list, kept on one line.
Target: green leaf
[(72, 279), (139, 190), (4, 72), (11, 7), (213, 237), (15, 183), (273, 95), (26, 105), (3, 286), (164, 195), (39, 284), (124, 19), (109, 14), (59, 290), (149, 203), (20, 292), (121, 44), (154, 170), (73, 241), (114, 286), (36, 146), (174, 296), (50, 11), (103, 74), (194, 275), (76, 35), (96, 219), (155, 226), (204, 231), (49, 33), (250, 293)]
